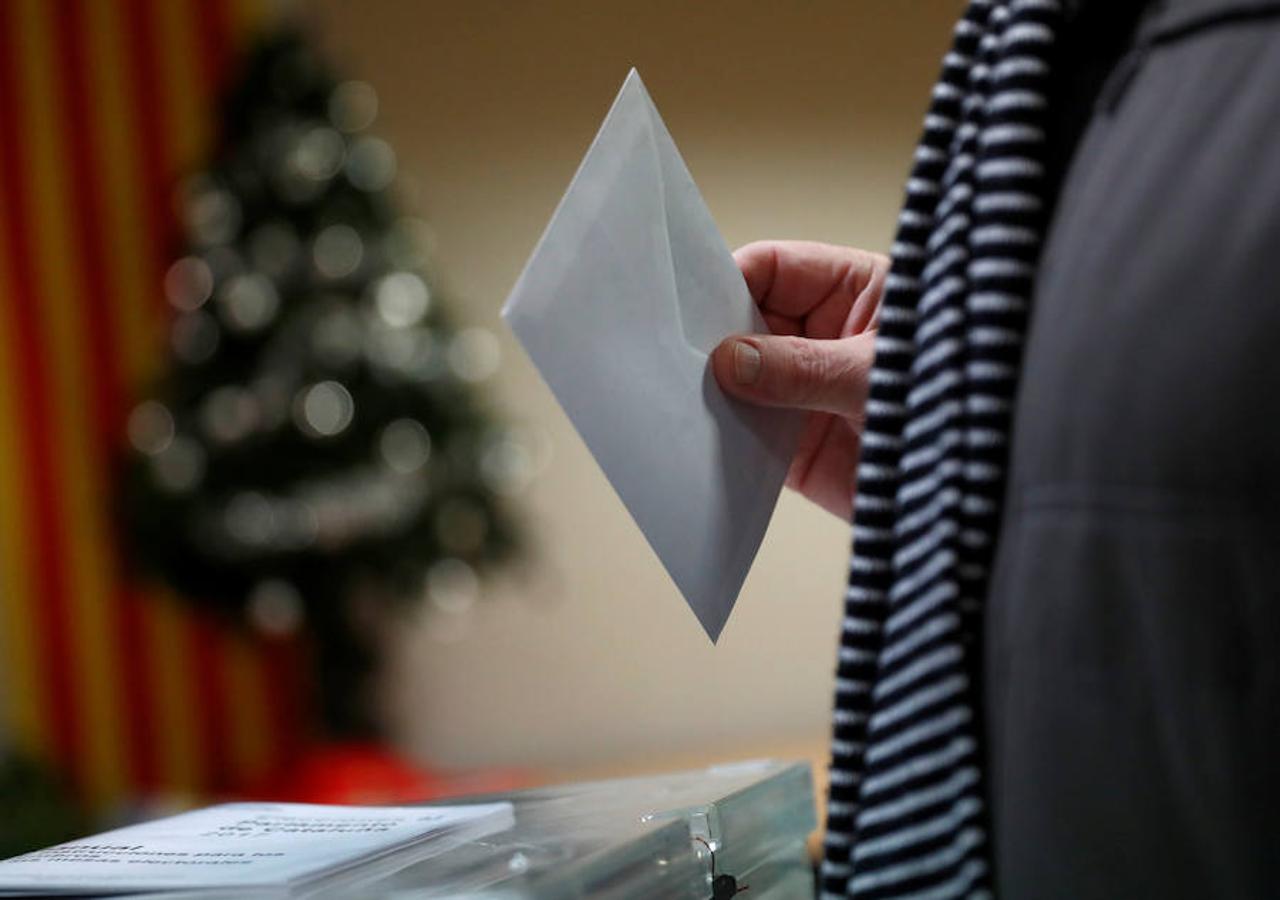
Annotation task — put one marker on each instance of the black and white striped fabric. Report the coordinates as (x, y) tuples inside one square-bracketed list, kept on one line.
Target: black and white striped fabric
[(906, 813)]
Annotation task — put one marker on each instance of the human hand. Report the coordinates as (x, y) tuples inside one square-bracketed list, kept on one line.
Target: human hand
[(821, 302)]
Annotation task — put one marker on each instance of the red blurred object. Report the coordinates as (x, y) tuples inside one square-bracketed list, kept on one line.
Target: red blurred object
[(371, 774)]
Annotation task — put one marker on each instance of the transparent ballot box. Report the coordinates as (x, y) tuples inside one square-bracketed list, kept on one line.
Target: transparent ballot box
[(697, 835)]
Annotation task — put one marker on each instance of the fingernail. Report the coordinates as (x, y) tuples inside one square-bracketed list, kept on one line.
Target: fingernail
[(746, 363)]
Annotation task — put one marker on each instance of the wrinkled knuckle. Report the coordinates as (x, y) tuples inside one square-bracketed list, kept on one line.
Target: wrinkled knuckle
[(809, 370)]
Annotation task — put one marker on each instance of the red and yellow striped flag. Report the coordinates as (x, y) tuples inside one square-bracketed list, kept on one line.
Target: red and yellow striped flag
[(104, 104)]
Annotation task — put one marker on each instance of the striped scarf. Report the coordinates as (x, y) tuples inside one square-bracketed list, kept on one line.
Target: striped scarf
[(907, 814)]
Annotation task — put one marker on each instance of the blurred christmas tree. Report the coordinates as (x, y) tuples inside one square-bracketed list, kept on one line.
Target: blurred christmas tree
[(317, 453), (39, 810)]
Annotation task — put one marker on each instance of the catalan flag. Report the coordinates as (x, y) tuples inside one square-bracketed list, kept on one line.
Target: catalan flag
[(104, 105)]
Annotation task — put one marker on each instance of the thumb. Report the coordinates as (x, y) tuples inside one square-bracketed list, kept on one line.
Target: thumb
[(805, 373)]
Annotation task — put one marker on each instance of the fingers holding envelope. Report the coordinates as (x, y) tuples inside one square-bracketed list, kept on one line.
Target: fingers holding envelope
[(812, 289), (821, 302)]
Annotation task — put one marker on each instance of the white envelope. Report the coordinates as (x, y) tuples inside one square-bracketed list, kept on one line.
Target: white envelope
[(626, 294)]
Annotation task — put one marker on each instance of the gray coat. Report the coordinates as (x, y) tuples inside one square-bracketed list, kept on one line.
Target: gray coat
[(1132, 650)]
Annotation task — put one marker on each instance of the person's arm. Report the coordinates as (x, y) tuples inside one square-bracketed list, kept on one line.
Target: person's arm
[(821, 302)]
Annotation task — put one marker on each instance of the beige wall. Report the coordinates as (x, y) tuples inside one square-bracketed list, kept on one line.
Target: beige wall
[(797, 120)]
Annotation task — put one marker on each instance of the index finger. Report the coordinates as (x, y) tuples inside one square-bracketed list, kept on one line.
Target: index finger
[(810, 280)]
